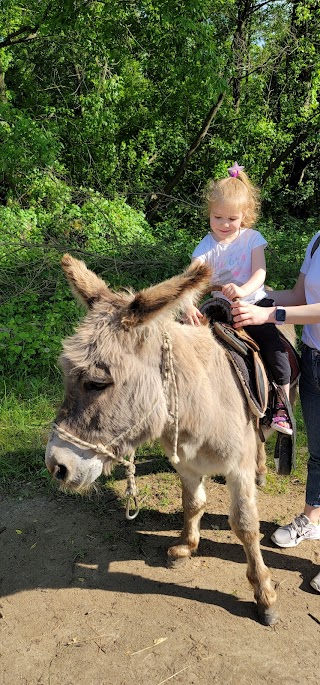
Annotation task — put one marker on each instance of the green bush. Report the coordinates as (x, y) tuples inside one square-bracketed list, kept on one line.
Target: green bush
[(37, 307), (116, 241)]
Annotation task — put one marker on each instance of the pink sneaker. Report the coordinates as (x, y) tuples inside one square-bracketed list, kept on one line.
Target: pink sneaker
[(284, 418)]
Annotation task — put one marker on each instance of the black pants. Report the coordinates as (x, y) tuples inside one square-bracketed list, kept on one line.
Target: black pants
[(273, 351)]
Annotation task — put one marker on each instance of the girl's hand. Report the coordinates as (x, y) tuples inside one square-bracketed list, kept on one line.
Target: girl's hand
[(192, 316), (231, 291), (250, 315)]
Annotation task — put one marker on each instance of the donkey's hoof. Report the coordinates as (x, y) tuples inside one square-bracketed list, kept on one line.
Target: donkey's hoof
[(268, 616), (178, 562), (261, 480), (178, 555)]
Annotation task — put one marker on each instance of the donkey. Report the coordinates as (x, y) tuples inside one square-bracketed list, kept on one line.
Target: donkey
[(134, 373)]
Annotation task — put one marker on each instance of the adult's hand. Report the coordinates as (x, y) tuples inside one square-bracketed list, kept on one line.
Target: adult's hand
[(245, 314)]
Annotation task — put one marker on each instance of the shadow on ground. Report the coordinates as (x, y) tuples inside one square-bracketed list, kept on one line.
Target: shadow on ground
[(64, 541)]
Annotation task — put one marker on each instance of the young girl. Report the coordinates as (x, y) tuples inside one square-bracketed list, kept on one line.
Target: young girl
[(236, 254)]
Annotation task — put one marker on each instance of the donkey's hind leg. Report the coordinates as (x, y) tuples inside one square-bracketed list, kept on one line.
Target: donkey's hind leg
[(245, 524), (193, 502)]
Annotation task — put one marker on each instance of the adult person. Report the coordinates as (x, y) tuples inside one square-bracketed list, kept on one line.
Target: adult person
[(301, 305)]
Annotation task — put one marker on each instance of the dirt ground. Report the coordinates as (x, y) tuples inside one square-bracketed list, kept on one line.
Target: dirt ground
[(87, 599)]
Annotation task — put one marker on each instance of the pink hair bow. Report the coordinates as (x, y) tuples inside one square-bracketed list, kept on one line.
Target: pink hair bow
[(235, 170)]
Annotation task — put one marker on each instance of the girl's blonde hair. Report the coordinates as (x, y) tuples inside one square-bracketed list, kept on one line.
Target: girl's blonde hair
[(236, 191)]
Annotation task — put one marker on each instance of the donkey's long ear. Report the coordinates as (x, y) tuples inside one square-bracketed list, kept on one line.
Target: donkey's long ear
[(85, 284), (172, 295)]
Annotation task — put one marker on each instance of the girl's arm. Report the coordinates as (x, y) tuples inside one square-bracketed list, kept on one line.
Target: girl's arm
[(258, 270), (192, 314)]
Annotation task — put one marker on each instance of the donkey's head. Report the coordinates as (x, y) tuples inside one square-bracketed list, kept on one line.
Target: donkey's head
[(114, 394)]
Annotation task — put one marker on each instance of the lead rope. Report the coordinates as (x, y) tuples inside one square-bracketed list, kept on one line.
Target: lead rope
[(130, 468), (169, 374)]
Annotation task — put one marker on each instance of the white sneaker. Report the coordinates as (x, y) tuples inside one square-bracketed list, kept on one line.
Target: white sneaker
[(300, 529), (315, 582)]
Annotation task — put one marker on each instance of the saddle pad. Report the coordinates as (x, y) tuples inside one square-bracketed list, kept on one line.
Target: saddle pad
[(252, 376), (243, 353)]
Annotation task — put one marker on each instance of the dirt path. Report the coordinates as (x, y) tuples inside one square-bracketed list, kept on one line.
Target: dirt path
[(86, 598)]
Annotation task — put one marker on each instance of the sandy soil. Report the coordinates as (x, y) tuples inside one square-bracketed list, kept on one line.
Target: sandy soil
[(86, 598)]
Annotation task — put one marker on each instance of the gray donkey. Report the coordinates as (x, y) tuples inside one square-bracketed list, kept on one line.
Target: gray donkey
[(134, 373)]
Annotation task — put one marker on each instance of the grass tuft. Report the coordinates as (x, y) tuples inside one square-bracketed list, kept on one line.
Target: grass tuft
[(26, 411)]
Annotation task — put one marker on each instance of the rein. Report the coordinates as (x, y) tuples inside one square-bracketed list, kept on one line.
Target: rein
[(168, 378)]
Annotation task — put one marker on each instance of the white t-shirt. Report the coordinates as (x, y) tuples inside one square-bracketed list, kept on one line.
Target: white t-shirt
[(231, 263), (311, 269)]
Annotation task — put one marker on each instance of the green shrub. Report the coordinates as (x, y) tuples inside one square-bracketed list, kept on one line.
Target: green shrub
[(116, 241), (37, 307)]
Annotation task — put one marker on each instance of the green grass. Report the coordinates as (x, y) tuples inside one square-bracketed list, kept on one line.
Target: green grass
[(27, 408)]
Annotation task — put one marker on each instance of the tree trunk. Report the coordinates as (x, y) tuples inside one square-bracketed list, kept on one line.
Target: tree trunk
[(3, 95)]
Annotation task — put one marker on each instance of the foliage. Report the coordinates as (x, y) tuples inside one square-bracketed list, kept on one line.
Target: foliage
[(26, 147), (39, 309), (126, 87), (111, 112)]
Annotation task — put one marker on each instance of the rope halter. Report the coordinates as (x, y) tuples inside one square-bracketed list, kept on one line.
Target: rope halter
[(130, 468)]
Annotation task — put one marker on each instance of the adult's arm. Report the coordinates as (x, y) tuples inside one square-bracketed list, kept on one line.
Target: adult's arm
[(297, 312), (290, 298)]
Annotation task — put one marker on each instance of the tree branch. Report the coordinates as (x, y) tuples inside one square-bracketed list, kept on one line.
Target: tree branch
[(155, 199), (303, 135), (31, 32), (258, 7)]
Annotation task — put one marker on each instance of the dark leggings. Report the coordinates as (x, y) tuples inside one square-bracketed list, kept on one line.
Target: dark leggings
[(273, 351)]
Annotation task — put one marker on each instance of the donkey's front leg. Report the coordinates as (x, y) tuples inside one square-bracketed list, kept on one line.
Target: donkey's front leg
[(244, 522), (193, 502)]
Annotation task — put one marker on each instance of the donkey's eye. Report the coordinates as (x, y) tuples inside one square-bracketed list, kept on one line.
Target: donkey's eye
[(98, 385)]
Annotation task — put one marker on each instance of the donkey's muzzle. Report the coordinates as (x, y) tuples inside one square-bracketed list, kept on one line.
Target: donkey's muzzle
[(71, 466)]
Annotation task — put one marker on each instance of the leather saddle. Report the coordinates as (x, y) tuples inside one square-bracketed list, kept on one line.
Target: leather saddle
[(259, 388)]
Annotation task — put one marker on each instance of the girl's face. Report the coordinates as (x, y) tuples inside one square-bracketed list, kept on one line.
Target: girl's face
[(225, 221)]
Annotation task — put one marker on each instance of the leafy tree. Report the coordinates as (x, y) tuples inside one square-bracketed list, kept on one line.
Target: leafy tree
[(112, 110)]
